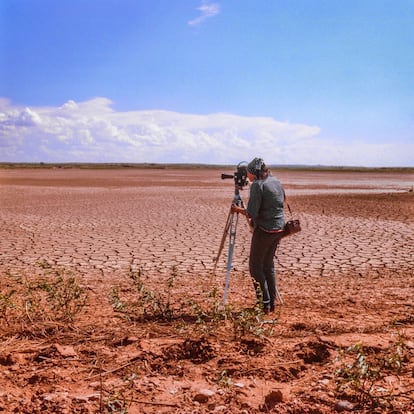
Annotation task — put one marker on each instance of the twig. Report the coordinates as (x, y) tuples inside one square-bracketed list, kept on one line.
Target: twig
[(27, 312), (280, 364), (116, 369)]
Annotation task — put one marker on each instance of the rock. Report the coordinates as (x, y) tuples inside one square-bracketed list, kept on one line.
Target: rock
[(271, 399), (66, 350), (86, 398), (132, 339), (344, 406), (54, 396), (96, 385), (203, 395)]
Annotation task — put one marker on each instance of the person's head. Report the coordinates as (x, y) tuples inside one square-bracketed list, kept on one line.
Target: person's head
[(256, 169)]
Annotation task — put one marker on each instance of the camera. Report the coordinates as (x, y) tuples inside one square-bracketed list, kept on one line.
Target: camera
[(240, 176)]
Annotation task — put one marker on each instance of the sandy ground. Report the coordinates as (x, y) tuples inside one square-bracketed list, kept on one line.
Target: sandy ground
[(139, 248)]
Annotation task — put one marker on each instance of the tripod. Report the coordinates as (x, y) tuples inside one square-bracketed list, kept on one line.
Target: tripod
[(230, 229)]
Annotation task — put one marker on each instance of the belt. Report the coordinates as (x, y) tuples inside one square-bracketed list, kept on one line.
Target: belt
[(271, 231)]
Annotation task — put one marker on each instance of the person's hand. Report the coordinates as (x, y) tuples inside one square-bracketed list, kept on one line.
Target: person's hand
[(251, 225), (237, 209)]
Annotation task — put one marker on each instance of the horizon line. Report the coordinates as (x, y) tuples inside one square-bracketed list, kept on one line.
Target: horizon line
[(189, 165)]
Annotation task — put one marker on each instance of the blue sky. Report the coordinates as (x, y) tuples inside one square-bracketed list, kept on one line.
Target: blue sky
[(293, 81)]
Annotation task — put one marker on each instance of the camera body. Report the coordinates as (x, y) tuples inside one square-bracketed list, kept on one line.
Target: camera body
[(240, 175)]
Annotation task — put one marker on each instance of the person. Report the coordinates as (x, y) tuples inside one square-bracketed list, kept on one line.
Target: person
[(265, 209)]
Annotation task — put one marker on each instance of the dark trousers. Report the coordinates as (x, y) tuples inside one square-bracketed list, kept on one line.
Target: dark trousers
[(261, 266)]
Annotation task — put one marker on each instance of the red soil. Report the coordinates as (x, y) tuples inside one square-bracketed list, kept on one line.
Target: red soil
[(153, 336)]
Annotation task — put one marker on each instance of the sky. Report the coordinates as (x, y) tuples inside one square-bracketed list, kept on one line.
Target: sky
[(315, 82)]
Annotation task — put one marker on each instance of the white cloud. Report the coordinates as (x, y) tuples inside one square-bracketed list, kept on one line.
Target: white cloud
[(207, 10), (92, 131)]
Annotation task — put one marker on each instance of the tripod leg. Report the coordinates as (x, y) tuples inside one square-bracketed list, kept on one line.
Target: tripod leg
[(224, 237), (278, 296), (232, 241), (230, 228)]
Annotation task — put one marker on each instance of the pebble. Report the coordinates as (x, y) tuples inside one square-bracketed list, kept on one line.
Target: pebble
[(55, 396), (66, 350), (203, 395), (86, 398), (344, 406)]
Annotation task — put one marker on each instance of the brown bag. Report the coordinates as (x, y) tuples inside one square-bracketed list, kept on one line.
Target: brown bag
[(292, 226)]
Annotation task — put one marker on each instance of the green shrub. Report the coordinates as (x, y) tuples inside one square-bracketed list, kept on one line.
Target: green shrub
[(31, 300), (362, 371)]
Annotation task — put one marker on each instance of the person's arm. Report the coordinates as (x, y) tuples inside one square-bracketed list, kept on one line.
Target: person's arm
[(239, 210)]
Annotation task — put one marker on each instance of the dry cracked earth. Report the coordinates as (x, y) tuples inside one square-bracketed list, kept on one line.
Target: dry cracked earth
[(111, 300)]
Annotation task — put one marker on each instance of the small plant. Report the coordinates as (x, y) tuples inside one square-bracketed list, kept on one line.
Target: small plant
[(360, 375), (153, 303), (250, 322), (118, 399), (115, 403), (212, 311), (6, 304), (148, 303), (224, 379), (117, 304), (216, 310), (53, 296), (65, 297)]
